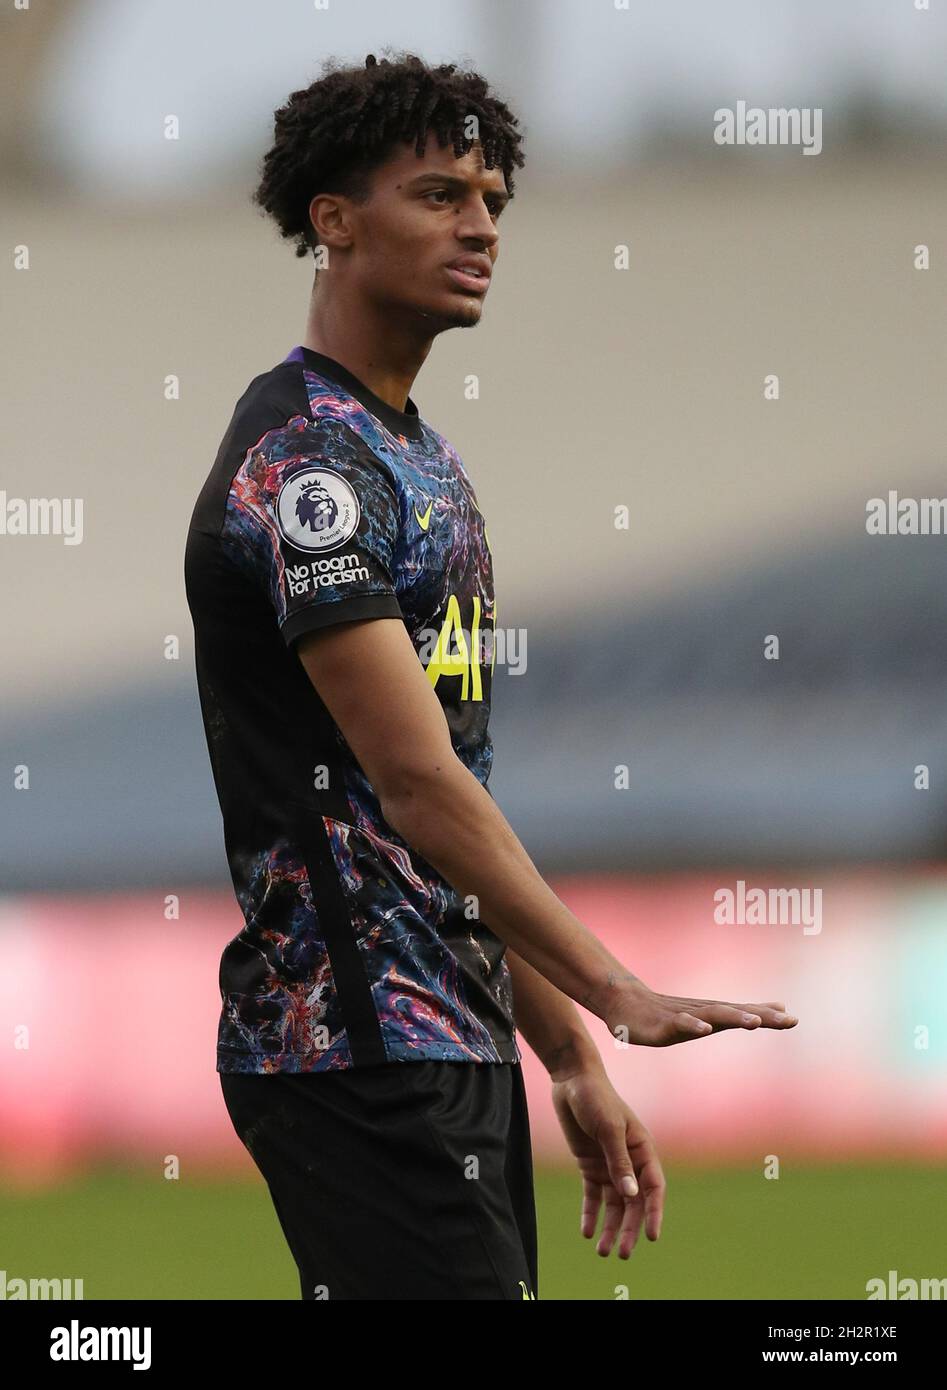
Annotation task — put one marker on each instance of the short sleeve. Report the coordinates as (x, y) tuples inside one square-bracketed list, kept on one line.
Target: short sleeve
[(313, 515)]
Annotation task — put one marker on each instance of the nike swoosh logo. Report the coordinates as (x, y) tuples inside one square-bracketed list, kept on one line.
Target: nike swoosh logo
[(423, 520)]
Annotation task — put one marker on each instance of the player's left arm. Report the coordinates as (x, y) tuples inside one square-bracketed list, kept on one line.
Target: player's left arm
[(614, 1150)]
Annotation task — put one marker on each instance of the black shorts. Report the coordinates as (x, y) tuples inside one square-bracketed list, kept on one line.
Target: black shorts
[(399, 1181)]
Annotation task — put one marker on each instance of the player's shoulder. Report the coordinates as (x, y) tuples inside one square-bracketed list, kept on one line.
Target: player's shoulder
[(273, 401), (279, 420), (270, 403), (271, 423)]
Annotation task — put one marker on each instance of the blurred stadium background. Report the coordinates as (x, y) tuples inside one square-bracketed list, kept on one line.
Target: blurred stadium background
[(598, 389)]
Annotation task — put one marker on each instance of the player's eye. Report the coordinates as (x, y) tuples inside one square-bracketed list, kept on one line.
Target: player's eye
[(494, 207)]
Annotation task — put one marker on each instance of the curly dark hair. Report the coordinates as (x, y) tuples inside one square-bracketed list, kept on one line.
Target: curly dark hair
[(330, 136)]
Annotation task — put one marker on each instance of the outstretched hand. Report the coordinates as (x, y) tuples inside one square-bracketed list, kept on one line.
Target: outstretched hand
[(635, 1014)]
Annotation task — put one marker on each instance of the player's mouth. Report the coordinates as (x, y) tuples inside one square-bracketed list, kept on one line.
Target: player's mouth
[(471, 273)]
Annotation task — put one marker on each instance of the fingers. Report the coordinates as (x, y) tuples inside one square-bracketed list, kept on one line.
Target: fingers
[(773, 1015), (728, 1015), (622, 1188), (684, 1026), (690, 1003), (623, 1218), (631, 1197), (710, 1016), (630, 1227), (614, 1144), (653, 1187), (591, 1201), (615, 1206)]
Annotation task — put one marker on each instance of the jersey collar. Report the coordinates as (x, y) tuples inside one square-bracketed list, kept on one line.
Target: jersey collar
[(405, 422)]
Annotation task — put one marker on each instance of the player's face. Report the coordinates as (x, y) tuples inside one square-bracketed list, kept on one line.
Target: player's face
[(424, 214)]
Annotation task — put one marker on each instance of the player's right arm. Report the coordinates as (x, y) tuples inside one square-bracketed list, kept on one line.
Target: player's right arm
[(308, 501), (368, 675)]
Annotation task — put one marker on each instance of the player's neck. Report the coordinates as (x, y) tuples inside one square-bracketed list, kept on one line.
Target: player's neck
[(382, 359)]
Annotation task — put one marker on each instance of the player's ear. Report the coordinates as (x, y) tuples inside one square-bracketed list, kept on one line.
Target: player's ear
[(331, 217)]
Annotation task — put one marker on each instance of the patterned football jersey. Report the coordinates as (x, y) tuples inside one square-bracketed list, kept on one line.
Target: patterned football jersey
[(326, 504)]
